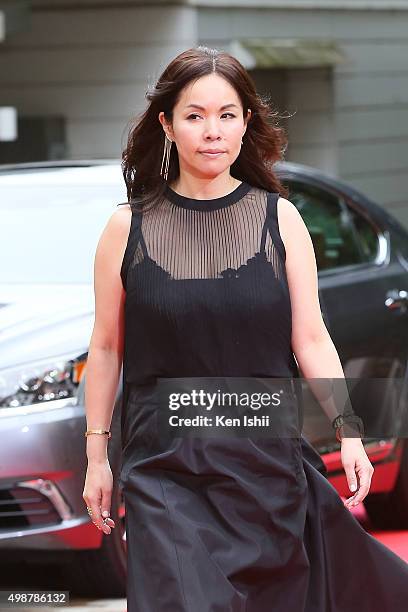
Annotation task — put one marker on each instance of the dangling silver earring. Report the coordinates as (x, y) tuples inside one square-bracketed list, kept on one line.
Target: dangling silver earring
[(166, 156)]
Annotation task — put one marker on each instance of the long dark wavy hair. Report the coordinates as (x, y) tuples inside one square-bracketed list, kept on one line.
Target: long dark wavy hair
[(264, 141)]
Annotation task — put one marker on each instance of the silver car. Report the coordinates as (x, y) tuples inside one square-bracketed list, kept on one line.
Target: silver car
[(51, 217)]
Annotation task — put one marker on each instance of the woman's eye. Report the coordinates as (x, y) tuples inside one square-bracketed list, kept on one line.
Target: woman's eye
[(196, 115)]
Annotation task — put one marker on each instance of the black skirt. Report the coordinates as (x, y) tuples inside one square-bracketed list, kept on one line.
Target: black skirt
[(244, 525)]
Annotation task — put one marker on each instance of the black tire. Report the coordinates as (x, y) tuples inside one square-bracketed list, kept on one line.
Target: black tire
[(390, 510), (102, 572)]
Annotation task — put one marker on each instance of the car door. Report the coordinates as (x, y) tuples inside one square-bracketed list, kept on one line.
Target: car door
[(358, 281)]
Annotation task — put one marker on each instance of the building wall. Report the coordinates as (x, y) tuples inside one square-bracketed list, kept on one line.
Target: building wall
[(92, 66), (366, 136)]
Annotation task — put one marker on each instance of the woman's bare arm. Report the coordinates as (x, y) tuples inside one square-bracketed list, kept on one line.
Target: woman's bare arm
[(106, 344), (314, 349), (312, 345)]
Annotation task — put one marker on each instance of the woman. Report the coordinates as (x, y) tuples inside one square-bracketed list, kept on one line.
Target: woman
[(209, 273)]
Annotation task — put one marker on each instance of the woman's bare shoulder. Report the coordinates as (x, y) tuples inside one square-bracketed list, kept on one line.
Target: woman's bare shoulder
[(115, 234), (124, 210), (286, 209), (292, 227), (118, 224)]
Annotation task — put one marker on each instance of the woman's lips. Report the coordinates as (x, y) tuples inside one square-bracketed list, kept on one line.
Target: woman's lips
[(212, 155)]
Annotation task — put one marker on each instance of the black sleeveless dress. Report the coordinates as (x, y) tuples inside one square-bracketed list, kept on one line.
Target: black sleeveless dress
[(234, 524)]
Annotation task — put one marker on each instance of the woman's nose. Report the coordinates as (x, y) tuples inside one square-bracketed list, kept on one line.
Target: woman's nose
[(212, 130)]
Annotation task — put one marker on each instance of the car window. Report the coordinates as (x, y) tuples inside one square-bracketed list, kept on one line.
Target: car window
[(329, 225), (367, 235)]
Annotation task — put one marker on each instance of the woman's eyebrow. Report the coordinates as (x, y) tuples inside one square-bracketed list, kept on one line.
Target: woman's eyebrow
[(202, 107)]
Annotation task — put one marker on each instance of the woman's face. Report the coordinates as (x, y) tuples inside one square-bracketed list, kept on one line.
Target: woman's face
[(207, 116)]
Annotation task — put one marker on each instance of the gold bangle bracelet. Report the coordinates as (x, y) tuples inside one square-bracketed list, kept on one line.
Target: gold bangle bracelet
[(98, 431)]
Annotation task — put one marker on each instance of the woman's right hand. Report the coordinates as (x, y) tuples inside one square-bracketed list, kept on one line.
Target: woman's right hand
[(98, 493)]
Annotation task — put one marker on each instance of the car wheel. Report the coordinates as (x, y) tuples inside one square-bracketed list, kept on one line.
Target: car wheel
[(102, 572), (390, 510)]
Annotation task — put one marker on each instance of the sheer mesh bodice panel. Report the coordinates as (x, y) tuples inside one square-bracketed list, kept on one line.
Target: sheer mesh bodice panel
[(208, 240), (206, 289)]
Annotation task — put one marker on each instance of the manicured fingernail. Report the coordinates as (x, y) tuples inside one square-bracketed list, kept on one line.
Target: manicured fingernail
[(353, 487), (105, 513)]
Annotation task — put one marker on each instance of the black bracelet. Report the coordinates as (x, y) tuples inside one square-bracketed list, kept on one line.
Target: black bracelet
[(341, 419)]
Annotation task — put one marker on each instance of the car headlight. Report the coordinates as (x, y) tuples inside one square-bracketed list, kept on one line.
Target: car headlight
[(42, 385)]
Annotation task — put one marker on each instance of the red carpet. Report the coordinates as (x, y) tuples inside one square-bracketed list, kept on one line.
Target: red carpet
[(397, 541)]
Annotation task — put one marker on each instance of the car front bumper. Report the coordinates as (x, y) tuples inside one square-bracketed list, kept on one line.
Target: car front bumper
[(42, 473)]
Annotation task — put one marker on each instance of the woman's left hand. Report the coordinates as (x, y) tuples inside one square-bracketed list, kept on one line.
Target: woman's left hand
[(358, 469)]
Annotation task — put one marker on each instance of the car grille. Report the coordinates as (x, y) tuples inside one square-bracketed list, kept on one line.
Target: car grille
[(21, 508)]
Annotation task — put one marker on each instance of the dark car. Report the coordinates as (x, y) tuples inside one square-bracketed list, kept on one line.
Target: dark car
[(362, 258), (51, 216)]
